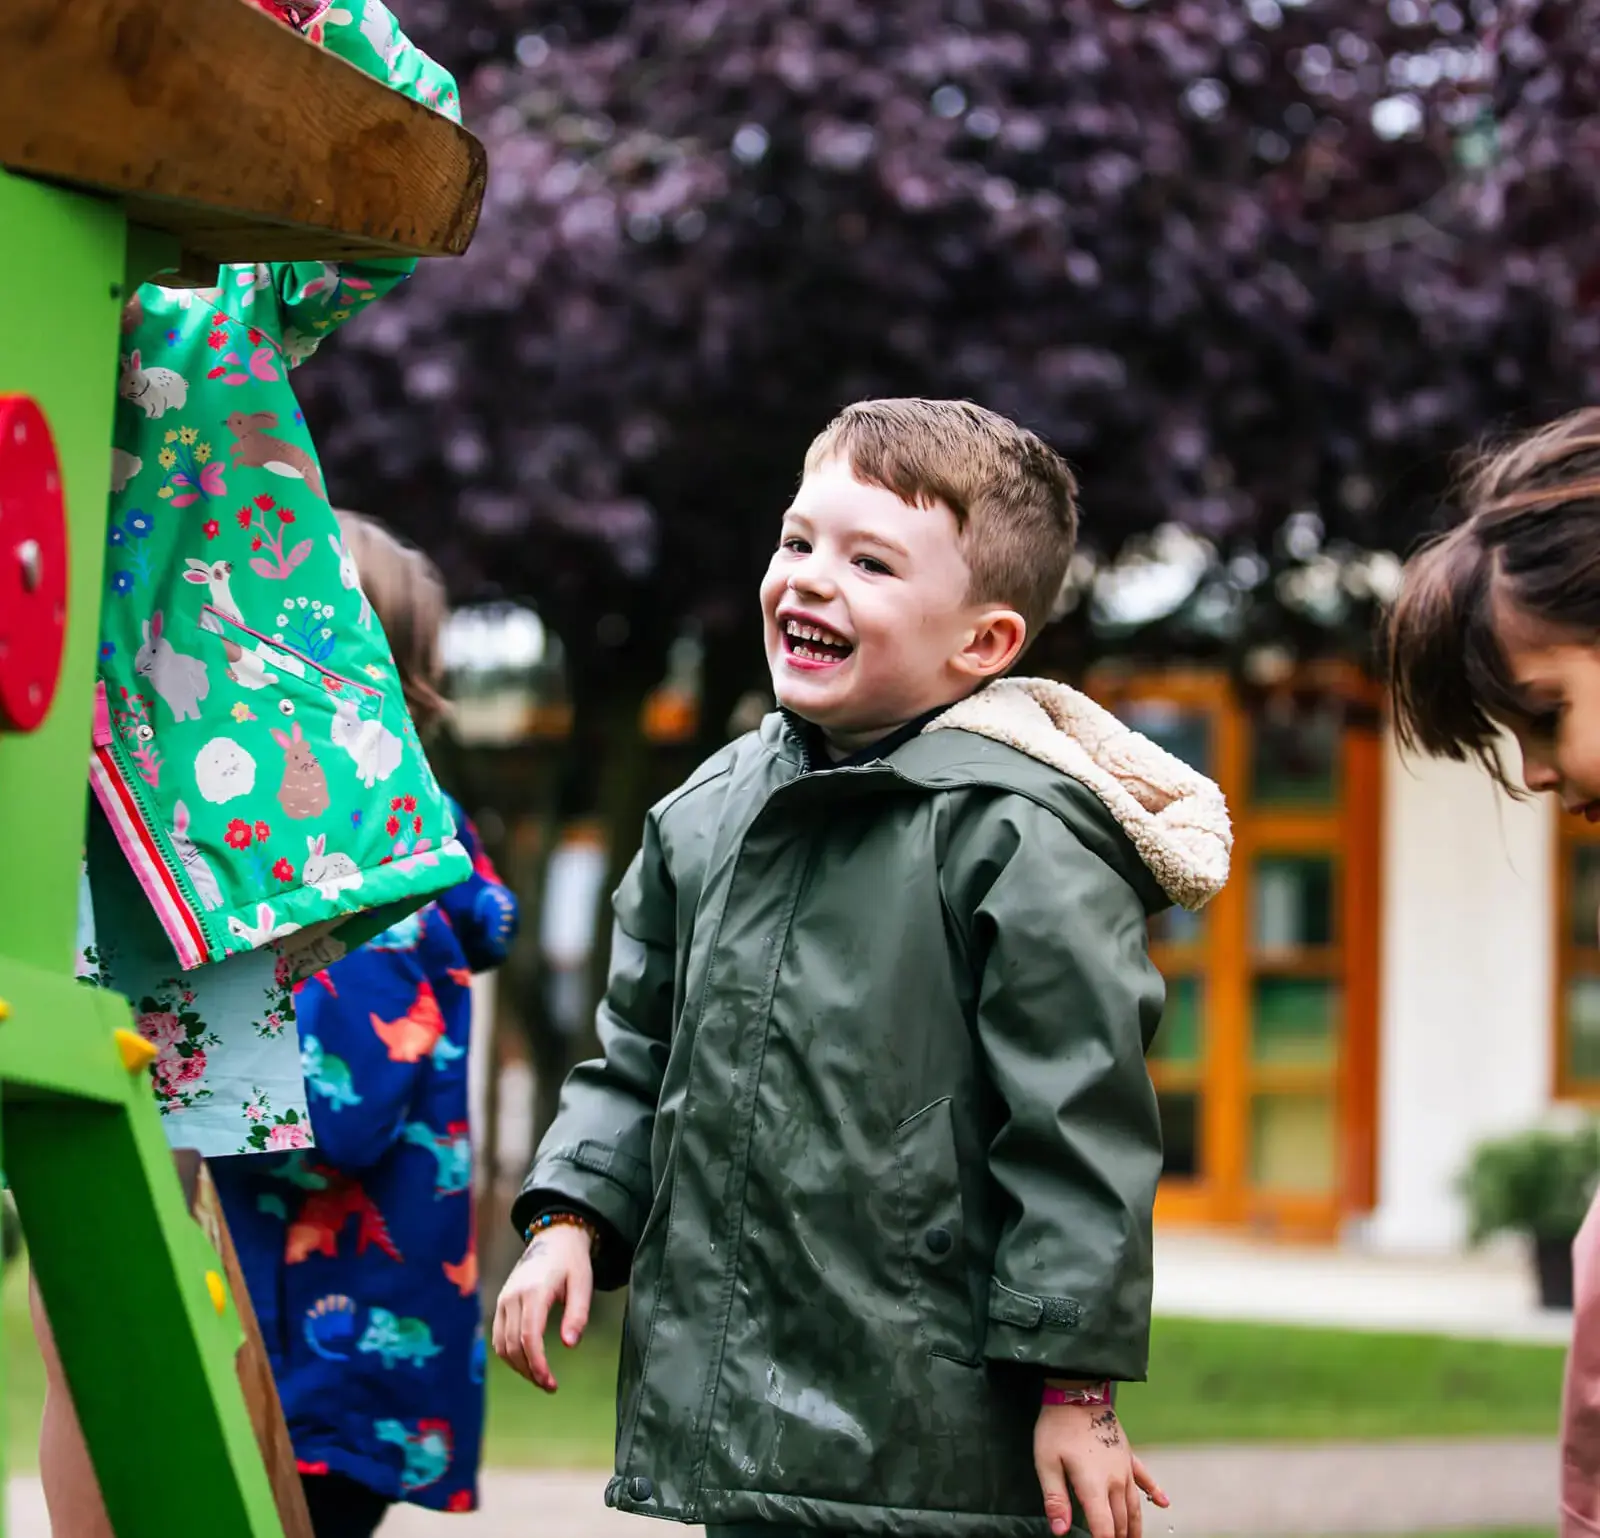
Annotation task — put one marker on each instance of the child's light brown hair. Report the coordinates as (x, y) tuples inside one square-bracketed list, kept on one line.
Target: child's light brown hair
[(408, 596), (1014, 498), (1528, 545)]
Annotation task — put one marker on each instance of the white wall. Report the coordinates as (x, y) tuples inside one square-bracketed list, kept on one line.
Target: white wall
[(480, 1069), (1465, 1007)]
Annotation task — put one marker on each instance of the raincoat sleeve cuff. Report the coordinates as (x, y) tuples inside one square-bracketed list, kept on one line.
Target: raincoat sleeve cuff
[(1042, 1331), (594, 1182), (610, 1253)]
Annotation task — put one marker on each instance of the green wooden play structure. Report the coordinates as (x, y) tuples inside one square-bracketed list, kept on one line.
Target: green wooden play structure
[(133, 143)]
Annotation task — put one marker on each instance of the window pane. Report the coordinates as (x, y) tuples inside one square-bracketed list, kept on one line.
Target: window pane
[(1178, 1039), (1292, 1144), (1177, 926), (1180, 1135), (1295, 1021), (1583, 896), (1583, 1027), (1294, 758), (1185, 734), (1293, 902)]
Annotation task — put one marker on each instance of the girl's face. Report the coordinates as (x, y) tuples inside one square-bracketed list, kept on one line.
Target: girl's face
[(1559, 680)]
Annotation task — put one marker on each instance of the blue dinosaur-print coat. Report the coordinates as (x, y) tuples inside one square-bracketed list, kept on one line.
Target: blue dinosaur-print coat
[(373, 1325)]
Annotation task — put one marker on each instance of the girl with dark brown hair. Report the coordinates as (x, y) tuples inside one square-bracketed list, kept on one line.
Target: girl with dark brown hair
[(1496, 632)]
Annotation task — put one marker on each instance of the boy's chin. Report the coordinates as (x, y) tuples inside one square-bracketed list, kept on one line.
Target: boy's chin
[(806, 701)]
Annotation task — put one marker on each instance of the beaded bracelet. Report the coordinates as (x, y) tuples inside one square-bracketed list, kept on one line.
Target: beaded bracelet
[(549, 1220), (1092, 1394)]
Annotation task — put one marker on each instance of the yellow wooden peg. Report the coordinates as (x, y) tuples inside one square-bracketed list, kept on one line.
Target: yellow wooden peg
[(136, 1052), (5, 1010), (219, 1293)]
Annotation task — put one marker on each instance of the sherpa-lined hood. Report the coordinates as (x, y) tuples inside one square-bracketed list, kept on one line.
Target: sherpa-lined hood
[(1174, 816)]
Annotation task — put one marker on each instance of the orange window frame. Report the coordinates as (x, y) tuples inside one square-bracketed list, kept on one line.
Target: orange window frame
[(1226, 966)]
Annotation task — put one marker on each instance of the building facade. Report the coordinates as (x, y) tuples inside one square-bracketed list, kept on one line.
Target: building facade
[(1405, 962)]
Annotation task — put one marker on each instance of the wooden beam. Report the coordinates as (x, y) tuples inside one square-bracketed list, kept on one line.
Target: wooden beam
[(255, 1365), (214, 123)]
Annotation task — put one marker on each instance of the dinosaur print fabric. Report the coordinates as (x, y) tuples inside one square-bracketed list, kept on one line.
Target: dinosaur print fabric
[(359, 1252)]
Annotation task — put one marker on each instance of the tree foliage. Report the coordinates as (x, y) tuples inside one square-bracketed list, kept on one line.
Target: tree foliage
[(1258, 269)]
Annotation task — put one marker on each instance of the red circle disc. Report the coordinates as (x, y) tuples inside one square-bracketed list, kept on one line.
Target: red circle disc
[(33, 565)]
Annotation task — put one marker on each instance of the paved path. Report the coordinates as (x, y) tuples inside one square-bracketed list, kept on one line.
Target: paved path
[(1486, 1295), (1397, 1487)]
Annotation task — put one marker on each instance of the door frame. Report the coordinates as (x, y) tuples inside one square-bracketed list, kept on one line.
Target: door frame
[(1350, 831)]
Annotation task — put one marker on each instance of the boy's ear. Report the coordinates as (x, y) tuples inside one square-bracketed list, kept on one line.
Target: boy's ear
[(992, 645)]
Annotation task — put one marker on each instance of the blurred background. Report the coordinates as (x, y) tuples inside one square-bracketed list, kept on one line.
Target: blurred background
[(1261, 269)]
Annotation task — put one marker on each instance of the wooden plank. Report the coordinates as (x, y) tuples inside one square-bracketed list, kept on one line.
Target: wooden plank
[(255, 1369), (57, 1035), (297, 155)]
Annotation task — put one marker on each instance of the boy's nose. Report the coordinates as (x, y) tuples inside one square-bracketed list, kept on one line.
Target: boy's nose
[(813, 579)]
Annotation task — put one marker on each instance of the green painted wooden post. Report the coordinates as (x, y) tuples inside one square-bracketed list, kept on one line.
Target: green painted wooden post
[(122, 1267)]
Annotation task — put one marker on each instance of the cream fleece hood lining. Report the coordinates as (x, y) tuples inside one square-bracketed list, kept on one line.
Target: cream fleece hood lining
[(1174, 816)]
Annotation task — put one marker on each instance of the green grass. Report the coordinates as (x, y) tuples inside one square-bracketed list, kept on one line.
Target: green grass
[(1242, 1382), (572, 1428), (1211, 1383)]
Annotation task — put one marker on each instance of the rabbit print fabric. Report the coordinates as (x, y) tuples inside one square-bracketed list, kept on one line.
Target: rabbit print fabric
[(227, 1076), (253, 753)]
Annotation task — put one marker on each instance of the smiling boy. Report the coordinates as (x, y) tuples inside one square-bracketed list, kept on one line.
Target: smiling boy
[(872, 1140)]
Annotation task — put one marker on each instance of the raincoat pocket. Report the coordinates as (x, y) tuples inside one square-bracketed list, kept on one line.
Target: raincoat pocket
[(935, 1233), (322, 713)]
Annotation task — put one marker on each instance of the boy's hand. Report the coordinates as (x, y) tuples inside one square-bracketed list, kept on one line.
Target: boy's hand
[(1085, 1444), (555, 1266)]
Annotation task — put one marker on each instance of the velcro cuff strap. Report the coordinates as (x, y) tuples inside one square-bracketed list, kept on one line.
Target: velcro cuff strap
[(1028, 1312), (602, 1159)]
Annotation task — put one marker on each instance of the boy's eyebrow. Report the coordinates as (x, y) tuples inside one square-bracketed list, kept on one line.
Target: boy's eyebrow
[(861, 536), (867, 538)]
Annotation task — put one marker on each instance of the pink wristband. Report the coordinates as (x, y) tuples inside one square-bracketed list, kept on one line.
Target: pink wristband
[(1099, 1394)]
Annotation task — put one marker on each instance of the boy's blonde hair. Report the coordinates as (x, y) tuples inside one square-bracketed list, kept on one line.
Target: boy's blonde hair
[(1014, 498), (408, 596)]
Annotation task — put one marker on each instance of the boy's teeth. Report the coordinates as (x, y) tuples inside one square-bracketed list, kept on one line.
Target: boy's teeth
[(811, 633)]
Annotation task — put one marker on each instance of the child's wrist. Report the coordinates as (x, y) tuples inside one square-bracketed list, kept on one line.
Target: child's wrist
[(548, 1220), (1076, 1391)]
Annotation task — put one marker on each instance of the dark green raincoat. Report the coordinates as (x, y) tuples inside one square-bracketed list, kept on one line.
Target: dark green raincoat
[(873, 1135)]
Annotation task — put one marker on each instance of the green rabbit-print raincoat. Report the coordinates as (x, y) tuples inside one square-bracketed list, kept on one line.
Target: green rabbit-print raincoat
[(252, 752)]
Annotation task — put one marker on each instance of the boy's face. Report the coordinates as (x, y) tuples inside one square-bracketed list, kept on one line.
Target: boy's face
[(866, 611)]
